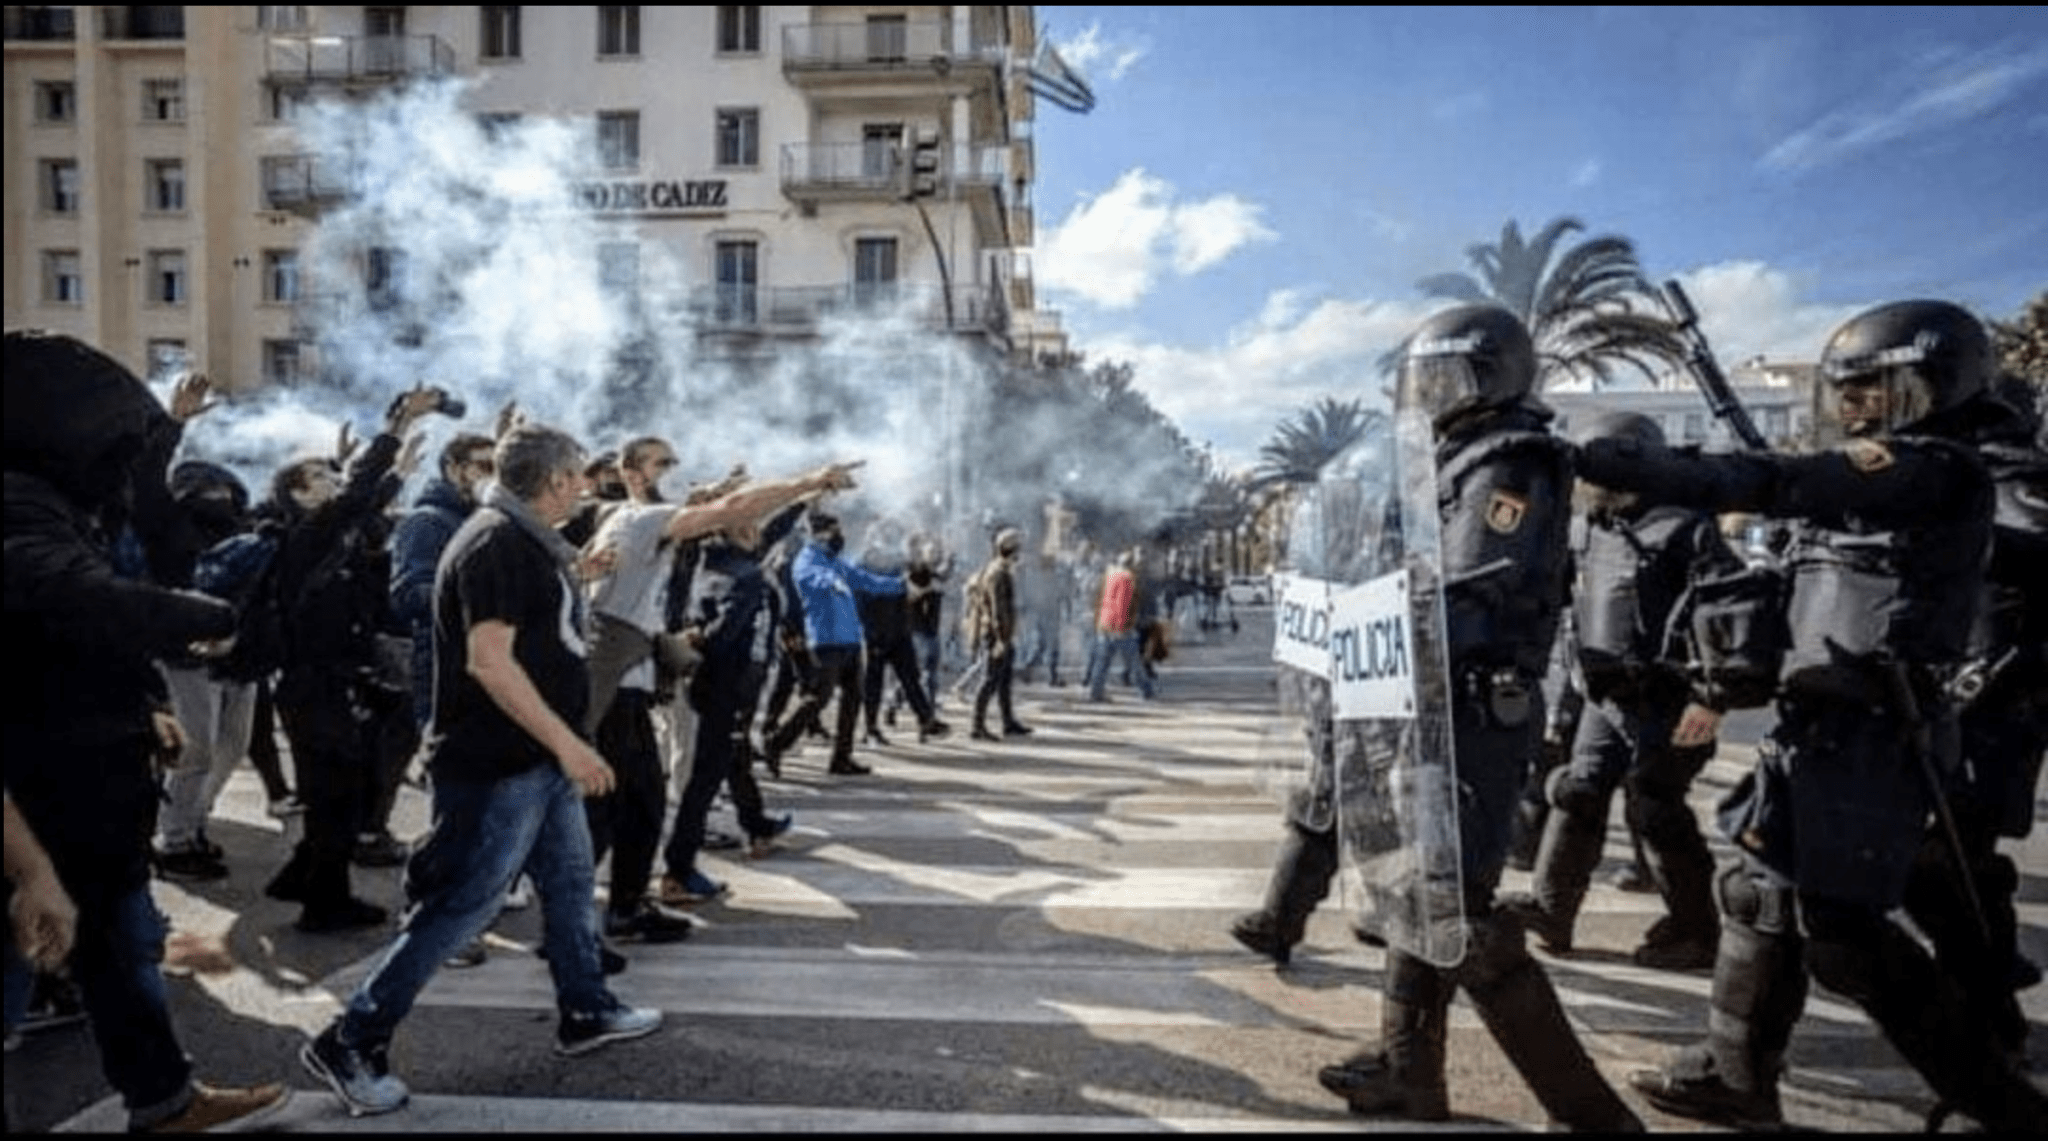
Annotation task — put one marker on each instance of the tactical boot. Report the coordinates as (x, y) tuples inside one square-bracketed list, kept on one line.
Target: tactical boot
[(1691, 1086), (1564, 872), (1405, 1076), (1667, 947), (1260, 932), (1521, 1010)]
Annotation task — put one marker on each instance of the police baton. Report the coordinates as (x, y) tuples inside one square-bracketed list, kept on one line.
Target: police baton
[(1920, 742)]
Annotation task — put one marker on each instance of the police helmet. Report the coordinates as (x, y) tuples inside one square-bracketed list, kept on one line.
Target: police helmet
[(1465, 359), (1644, 430), (1895, 365)]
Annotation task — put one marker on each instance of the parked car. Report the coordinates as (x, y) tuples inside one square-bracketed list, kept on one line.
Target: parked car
[(1249, 590)]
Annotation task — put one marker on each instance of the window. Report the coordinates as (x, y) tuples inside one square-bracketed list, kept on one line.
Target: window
[(164, 183), (281, 17), (288, 103), (56, 102), (500, 38), (163, 100), (1695, 428), (62, 284), (738, 272), (280, 362), (384, 277), (879, 145), (739, 27), (384, 41), (165, 355), (1777, 423), (60, 185), (874, 270), (739, 136), (281, 276), (618, 29), (497, 124), (618, 139), (166, 282), (618, 268), (888, 38)]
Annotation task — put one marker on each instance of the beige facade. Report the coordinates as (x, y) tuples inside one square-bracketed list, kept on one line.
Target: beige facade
[(157, 197)]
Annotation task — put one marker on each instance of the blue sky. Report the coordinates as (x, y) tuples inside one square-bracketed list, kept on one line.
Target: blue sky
[(1247, 209)]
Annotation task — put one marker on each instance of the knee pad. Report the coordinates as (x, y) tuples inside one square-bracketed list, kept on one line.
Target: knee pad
[(1747, 903), (1576, 797)]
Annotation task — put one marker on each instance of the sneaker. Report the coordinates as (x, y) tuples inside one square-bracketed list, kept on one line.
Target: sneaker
[(359, 1076), (582, 1033), (379, 850), (647, 923), (470, 954), (848, 768), (286, 805), (190, 865), (519, 896), (716, 841), (1689, 1087), (763, 844), (1016, 729), (932, 730), (874, 737), (348, 915), (213, 1106), (694, 888)]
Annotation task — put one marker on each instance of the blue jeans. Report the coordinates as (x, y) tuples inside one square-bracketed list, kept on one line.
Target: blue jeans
[(1111, 648), (927, 648), (484, 834), (118, 966)]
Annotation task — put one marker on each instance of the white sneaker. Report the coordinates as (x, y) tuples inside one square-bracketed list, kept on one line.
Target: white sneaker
[(520, 896)]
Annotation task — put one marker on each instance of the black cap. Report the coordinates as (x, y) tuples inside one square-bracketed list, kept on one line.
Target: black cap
[(822, 521)]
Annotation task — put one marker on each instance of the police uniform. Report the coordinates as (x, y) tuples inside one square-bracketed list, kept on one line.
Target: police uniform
[(1504, 483), (1884, 568)]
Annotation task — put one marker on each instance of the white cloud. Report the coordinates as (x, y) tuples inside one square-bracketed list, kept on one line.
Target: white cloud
[(1587, 174), (1112, 249), (1085, 51), (1954, 92), (1748, 309)]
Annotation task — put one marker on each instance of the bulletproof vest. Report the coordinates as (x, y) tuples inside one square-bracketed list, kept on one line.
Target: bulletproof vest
[(1861, 595), (1630, 579), (2019, 553), (1515, 626)]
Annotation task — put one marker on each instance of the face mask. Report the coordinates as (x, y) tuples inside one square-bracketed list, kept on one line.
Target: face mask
[(836, 544)]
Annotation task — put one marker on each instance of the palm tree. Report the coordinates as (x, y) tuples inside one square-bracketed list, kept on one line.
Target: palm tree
[(1592, 313), (1313, 437)]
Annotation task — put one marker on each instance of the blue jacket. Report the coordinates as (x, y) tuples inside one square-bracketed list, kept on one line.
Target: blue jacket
[(416, 546), (827, 584)]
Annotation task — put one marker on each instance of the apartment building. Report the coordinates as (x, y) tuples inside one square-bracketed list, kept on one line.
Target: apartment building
[(796, 161)]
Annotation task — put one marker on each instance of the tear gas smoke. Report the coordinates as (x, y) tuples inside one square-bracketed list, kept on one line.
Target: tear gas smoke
[(462, 257)]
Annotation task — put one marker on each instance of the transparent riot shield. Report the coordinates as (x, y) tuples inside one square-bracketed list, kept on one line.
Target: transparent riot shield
[(1396, 775), (1334, 540)]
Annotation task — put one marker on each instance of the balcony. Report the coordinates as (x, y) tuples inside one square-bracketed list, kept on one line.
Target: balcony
[(354, 60), (302, 184), (796, 310), (30, 24), (143, 22), (840, 172), (880, 54)]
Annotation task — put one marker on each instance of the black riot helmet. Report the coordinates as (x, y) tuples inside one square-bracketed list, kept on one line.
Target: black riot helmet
[(1644, 430), (1466, 359), (1891, 367)]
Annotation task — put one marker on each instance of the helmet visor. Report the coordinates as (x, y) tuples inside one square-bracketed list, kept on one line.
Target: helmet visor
[(1436, 385), (1874, 403)]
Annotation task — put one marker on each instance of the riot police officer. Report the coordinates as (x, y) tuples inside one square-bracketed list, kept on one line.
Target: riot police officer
[(1504, 483), (2002, 694), (1884, 570), (1648, 720)]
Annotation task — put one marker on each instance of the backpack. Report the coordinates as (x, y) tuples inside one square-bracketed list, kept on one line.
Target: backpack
[(240, 570), (978, 615)]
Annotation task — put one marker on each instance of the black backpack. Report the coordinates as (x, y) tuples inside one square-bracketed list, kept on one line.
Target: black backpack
[(241, 570)]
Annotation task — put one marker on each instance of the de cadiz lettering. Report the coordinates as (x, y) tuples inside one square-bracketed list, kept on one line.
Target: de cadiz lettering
[(1310, 626), (652, 196)]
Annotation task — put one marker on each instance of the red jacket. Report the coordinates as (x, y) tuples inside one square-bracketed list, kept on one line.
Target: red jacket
[(1119, 592)]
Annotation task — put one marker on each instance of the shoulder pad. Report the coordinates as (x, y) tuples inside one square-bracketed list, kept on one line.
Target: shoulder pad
[(1539, 447)]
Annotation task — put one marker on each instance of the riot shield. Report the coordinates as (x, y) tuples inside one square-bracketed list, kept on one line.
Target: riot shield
[(1396, 775), (1333, 542)]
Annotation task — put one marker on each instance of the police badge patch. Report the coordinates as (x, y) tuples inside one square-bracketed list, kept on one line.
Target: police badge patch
[(1868, 456), (1504, 512)]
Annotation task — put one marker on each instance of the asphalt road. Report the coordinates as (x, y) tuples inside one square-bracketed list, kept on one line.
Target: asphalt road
[(1015, 936)]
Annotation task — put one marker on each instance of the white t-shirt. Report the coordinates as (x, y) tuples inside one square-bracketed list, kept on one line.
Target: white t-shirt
[(636, 592)]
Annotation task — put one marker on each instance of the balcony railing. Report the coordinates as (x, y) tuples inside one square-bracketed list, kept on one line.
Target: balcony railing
[(346, 59), (840, 167), (302, 183), (741, 308), (143, 22), (28, 22), (886, 47)]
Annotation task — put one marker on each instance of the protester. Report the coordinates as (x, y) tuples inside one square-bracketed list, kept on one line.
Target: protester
[(1116, 630), (828, 583), (86, 726), (885, 622), (996, 585)]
